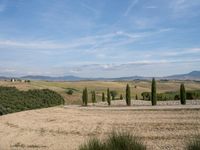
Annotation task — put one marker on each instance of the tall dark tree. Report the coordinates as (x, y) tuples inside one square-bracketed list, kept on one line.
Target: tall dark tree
[(153, 92), (85, 97), (93, 97), (103, 97), (121, 97), (182, 94), (108, 97), (128, 95), (136, 97)]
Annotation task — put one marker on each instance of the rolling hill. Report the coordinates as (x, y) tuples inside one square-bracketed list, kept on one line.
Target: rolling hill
[(194, 75)]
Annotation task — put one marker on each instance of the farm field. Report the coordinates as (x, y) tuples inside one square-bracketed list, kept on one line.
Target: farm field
[(66, 128), (137, 87)]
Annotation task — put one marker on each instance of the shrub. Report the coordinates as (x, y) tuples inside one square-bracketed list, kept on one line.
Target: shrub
[(153, 92), (93, 144), (146, 95), (116, 141), (194, 144), (176, 97), (113, 94), (182, 94), (70, 92), (128, 95), (108, 97), (124, 141)]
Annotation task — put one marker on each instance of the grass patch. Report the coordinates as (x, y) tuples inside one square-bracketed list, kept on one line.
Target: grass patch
[(116, 141), (194, 144)]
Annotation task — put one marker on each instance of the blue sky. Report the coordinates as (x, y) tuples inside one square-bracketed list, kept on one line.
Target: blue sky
[(99, 38)]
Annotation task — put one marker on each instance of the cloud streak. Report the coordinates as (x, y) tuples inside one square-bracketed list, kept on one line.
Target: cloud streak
[(128, 10)]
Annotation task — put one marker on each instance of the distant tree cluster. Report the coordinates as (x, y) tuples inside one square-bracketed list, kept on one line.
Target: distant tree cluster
[(12, 100)]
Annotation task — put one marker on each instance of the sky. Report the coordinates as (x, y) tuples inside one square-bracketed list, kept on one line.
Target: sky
[(99, 38)]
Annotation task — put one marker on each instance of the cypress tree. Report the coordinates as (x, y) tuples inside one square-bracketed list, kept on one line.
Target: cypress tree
[(153, 92), (85, 97), (108, 97), (182, 94), (93, 97), (121, 97), (103, 97), (128, 95), (136, 97)]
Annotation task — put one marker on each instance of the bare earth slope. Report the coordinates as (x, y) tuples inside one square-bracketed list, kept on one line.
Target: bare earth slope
[(61, 128)]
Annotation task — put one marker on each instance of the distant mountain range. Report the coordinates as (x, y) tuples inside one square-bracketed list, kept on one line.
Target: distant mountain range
[(194, 75)]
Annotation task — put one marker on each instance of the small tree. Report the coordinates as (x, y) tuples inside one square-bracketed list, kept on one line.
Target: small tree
[(85, 97), (93, 97), (70, 92), (182, 94), (136, 97), (128, 95), (113, 94), (153, 92), (146, 96), (108, 97), (103, 97), (121, 97)]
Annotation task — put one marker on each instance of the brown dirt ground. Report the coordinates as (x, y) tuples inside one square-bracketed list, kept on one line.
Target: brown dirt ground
[(61, 128)]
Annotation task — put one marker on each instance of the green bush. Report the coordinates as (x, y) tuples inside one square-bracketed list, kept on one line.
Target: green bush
[(146, 95), (70, 92), (12, 100), (194, 144), (116, 141), (113, 94)]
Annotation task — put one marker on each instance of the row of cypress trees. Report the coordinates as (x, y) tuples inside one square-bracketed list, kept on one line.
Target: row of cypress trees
[(85, 96), (128, 95)]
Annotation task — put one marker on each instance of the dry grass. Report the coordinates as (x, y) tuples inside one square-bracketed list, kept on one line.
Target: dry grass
[(59, 128)]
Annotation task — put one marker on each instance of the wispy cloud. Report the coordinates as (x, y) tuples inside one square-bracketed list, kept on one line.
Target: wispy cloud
[(118, 38), (130, 7), (151, 7), (2, 7), (90, 8), (183, 7)]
